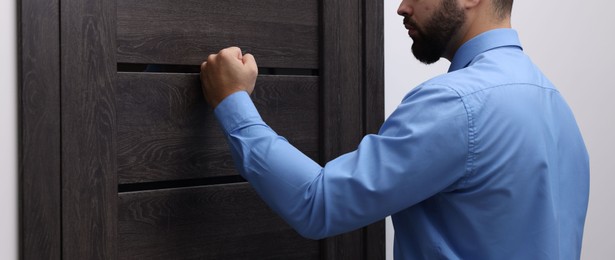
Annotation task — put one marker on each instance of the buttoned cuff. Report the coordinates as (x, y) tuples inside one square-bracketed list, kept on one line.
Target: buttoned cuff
[(237, 111)]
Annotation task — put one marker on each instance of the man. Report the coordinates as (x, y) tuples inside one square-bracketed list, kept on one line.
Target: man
[(484, 162)]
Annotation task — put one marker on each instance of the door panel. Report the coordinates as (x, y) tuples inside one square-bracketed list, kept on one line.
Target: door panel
[(166, 131), (280, 34), (210, 222)]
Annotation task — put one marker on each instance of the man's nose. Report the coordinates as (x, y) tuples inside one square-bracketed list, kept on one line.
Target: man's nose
[(404, 9)]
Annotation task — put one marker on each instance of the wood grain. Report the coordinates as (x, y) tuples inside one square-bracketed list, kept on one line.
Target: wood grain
[(168, 132), (374, 105), (280, 34), (211, 222), (342, 76), (89, 182), (40, 227)]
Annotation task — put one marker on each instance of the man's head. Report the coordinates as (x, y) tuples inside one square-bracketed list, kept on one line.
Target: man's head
[(502, 8), (439, 27)]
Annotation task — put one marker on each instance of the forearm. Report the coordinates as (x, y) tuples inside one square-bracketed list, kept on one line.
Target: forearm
[(286, 179)]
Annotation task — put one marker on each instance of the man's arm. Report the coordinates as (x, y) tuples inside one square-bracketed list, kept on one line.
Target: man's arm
[(401, 166)]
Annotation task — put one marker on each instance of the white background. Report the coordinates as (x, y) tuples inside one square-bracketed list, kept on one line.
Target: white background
[(573, 42)]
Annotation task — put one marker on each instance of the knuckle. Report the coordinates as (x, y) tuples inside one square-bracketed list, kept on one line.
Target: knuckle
[(229, 51), (224, 51)]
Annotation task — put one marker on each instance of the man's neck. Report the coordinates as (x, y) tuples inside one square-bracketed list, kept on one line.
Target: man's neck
[(474, 26)]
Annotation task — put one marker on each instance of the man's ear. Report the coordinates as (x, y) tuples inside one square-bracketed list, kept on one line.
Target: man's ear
[(469, 4)]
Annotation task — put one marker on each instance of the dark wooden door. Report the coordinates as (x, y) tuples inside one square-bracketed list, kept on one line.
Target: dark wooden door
[(123, 159)]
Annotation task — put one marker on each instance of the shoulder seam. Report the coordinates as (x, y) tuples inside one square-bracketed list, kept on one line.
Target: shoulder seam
[(471, 153)]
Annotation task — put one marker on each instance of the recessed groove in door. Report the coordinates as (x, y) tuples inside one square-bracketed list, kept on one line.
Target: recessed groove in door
[(159, 185), (169, 68), (287, 72), (172, 68)]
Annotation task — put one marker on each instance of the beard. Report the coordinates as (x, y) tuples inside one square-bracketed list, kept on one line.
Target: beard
[(432, 40)]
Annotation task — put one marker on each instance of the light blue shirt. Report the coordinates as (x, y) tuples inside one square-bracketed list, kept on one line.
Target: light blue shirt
[(484, 162)]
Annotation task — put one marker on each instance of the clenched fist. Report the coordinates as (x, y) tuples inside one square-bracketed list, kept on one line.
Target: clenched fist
[(226, 73)]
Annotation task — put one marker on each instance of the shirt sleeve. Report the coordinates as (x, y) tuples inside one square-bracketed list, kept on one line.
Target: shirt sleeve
[(421, 149)]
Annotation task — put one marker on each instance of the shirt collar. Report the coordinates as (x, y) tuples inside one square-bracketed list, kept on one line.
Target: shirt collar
[(483, 42)]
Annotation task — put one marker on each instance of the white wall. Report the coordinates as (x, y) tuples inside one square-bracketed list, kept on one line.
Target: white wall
[(8, 131), (574, 44)]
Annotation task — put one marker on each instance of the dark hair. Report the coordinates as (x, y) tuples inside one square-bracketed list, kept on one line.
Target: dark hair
[(503, 8)]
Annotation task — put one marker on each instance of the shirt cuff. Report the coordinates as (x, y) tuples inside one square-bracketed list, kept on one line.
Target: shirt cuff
[(236, 111)]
